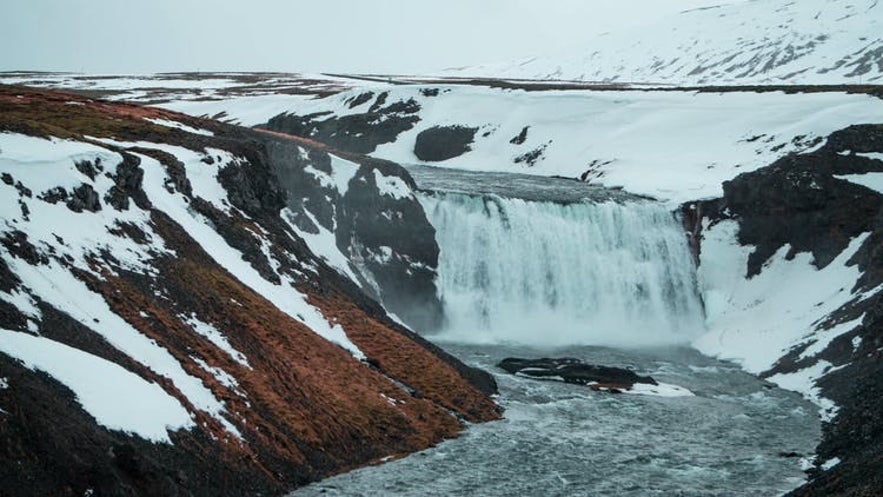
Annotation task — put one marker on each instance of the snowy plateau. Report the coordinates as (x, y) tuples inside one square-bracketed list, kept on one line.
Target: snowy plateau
[(244, 284)]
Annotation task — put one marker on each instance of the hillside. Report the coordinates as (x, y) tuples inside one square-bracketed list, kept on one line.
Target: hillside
[(166, 330), (734, 43), (779, 193)]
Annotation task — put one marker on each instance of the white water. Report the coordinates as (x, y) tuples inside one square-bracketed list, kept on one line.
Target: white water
[(553, 274)]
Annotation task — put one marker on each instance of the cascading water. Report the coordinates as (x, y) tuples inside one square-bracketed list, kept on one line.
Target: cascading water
[(528, 263), (549, 274)]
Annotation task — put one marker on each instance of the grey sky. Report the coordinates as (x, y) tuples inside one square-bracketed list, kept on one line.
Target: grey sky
[(381, 36)]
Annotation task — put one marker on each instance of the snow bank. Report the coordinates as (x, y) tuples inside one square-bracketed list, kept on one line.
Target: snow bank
[(756, 321), (115, 397), (675, 146)]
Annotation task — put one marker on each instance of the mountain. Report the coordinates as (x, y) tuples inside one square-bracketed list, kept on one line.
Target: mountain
[(738, 43), (165, 329)]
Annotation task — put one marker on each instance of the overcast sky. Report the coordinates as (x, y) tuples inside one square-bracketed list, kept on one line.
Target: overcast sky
[(364, 36)]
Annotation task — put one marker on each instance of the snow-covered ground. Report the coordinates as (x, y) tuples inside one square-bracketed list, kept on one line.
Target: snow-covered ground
[(115, 397), (673, 146), (676, 147), (736, 42)]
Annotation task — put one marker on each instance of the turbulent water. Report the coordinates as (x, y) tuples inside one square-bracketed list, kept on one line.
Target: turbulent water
[(533, 267), (734, 438), (550, 273)]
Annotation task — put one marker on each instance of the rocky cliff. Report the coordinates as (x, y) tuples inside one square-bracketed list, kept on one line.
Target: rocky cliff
[(824, 206), (165, 329)]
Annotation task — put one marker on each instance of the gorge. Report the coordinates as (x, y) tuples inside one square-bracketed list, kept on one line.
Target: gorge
[(258, 283)]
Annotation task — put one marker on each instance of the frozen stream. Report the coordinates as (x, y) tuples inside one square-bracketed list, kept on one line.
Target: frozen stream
[(731, 439)]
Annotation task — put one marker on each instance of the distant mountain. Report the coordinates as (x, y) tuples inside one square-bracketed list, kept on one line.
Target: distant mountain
[(750, 42)]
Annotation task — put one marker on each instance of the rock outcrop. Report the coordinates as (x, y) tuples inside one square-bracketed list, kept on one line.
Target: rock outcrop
[(369, 208), (440, 143), (817, 203), (359, 132), (262, 368), (570, 370)]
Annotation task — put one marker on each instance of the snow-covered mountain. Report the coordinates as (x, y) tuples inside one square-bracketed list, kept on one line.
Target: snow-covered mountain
[(735, 43), (165, 329)]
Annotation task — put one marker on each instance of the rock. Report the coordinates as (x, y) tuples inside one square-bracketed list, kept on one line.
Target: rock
[(520, 137), (440, 143), (388, 239), (84, 198), (358, 133), (570, 370), (395, 243)]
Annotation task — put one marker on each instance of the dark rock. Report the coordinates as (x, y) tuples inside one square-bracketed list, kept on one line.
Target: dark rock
[(7, 178), (799, 201), (570, 370), (84, 198), (89, 168), (520, 137), (54, 195), (532, 157), (360, 99), (440, 143), (368, 223), (307, 197), (429, 92), (128, 184), (17, 243), (358, 133)]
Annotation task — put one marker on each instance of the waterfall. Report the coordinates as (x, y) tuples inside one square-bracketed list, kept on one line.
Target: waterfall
[(554, 274)]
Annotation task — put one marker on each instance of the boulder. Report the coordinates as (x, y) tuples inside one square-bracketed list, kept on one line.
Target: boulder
[(440, 143), (570, 370)]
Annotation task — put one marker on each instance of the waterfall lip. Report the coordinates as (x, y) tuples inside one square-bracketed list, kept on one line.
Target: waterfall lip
[(432, 179)]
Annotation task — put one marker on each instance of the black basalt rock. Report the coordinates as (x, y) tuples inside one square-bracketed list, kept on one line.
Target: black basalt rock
[(440, 143), (570, 370)]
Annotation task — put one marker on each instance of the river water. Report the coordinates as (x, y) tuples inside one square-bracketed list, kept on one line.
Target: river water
[(541, 267), (730, 439)]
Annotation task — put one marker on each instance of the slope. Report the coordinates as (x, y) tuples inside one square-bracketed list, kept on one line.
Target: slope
[(745, 43), (166, 331)]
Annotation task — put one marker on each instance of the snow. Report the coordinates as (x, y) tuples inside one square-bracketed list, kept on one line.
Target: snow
[(115, 397), (874, 181), (56, 286), (244, 111), (284, 296), (754, 42), (830, 463), (803, 381), (183, 127), (660, 390), (392, 186), (872, 155), (342, 171), (213, 335), (323, 244), (677, 146), (758, 320)]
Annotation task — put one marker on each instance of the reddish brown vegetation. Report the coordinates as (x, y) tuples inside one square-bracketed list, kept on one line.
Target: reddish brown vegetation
[(306, 408)]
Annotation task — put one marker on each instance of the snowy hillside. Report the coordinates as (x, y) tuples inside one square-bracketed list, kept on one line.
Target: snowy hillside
[(164, 327), (673, 146), (742, 42)]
